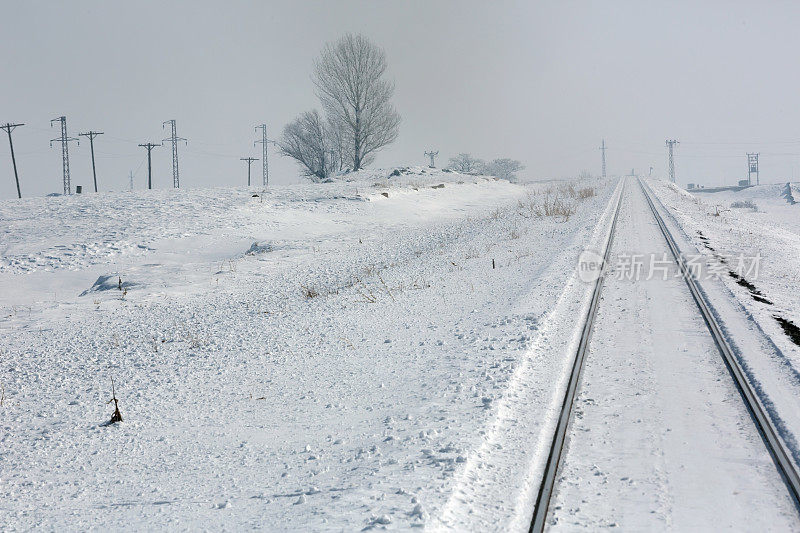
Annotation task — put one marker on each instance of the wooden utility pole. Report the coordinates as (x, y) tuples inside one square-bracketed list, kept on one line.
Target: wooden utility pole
[(149, 147), (9, 127), (249, 162), (92, 134)]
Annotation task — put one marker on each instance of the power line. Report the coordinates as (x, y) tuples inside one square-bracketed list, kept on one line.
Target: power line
[(174, 140), (759, 143), (149, 147), (249, 162), (265, 155), (92, 135), (65, 139), (9, 127), (670, 145)]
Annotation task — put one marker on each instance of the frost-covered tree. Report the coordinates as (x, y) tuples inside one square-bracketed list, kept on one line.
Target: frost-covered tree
[(349, 77), (504, 168), (466, 164), (308, 140)]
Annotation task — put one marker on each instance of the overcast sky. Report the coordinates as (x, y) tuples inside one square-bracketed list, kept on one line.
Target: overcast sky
[(542, 82)]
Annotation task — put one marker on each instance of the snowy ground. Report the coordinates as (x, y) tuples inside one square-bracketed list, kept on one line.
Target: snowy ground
[(770, 229), (660, 438), (334, 356), (757, 307)]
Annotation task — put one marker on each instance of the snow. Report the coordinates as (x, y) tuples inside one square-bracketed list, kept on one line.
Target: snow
[(660, 438), (769, 357), (385, 351), (323, 356)]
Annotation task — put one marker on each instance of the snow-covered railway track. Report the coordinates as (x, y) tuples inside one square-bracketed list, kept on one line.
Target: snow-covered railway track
[(766, 429), (559, 436), (558, 451)]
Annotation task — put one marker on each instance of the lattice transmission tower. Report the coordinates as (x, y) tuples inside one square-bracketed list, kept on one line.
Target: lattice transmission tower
[(174, 140), (670, 146), (752, 168), (432, 155), (603, 151), (264, 154), (65, 140)]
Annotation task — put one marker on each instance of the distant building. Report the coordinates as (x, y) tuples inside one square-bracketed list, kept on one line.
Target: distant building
[(744, 183)]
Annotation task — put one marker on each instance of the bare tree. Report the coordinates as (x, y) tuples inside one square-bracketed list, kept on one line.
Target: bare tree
[(349, 81), (466, 164), (339, 141), (504, 168), (307, 140)]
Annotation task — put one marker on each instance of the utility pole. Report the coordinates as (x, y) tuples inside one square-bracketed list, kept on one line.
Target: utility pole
[(432, 154), (670, 145), (92, 134), (603, 150), (9, 127), (174, 140), (264, 155), (249, 162), (130, 180), (752, 168), (149, 147), (65, 139)]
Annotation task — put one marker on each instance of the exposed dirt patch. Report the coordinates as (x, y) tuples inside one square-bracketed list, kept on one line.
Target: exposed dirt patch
[(789, 327), (755, 293)]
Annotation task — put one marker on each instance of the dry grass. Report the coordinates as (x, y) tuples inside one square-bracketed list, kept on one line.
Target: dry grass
[(558, 207), (309, 292)]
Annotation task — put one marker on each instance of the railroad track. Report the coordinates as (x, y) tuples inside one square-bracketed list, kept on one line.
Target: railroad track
[(761, 420), (557, 446)]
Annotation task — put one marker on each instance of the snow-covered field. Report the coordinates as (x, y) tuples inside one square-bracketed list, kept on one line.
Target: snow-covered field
[(333, 356)]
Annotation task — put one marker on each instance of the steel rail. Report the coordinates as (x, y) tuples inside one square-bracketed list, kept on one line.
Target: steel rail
[(557, 445), (769, 434)]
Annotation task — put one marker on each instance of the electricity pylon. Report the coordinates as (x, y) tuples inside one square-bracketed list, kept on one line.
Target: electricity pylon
[(174, 140), (432, 155), (670, 145), (65, 140), (752, 168), (603, 150), (264, 154)]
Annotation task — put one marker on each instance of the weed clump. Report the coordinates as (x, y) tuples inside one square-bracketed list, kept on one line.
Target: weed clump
[(117, 416)]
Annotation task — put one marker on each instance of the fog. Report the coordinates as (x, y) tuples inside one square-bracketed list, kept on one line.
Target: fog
[(542, 82)]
